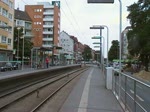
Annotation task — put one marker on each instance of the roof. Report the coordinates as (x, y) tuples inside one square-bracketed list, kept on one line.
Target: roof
[(22, 15)]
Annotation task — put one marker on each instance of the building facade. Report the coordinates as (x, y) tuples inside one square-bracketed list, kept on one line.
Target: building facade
[(125, 43), (46, 24), (6, 29), (67, 44), (45, 18), (22, 22)]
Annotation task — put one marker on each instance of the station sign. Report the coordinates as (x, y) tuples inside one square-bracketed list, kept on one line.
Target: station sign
[(100, 1)]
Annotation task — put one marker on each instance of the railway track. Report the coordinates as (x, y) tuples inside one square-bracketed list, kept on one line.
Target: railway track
[(31, 97)]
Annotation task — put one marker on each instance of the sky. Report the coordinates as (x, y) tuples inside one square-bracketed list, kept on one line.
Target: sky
[(77, 16)]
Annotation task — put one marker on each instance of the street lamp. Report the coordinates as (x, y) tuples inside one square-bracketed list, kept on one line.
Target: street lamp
[(100, 28), (120, 28), (23, 50), (107, 38), (102, 56), (18, 28)]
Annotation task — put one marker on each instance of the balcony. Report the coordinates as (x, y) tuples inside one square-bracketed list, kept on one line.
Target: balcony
[(47, 32), (48, 13), (47, 39), (48, 7), (48, 26), (48, 19), (47, 46)]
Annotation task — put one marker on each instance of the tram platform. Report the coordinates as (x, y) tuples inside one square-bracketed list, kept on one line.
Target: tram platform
[(90, 95)]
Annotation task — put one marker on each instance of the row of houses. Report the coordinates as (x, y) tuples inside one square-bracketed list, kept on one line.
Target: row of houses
[(41, 25)]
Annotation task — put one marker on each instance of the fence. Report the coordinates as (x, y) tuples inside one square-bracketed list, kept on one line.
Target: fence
[(133, 93)]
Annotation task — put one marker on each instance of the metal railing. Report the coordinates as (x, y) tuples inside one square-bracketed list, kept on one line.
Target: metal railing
[(134, 93)]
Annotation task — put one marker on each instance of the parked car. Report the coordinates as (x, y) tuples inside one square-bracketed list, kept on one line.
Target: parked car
[(15, 65), (6, 66)]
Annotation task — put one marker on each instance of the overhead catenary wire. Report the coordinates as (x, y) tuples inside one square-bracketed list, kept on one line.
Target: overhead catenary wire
[(75, 21)]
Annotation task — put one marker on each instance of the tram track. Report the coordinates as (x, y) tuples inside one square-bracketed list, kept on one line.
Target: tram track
[(24, 92)]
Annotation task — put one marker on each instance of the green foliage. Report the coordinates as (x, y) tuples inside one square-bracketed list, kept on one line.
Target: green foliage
[(87, 55), (139, 36), (114, 50), (27, 44)]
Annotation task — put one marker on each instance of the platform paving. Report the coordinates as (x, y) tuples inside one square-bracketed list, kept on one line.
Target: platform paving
[(91, 95)]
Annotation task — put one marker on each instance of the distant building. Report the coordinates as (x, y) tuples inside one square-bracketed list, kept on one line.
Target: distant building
[(80, 51), (67, 44), (23, 20), (124, 41), (46, 24), (75, 40), (6, 29)]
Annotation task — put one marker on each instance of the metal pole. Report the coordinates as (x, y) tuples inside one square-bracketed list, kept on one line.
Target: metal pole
[(101, 47), (31, 57), (120, 28), (18, 44), (23, 51), (23, 54), (107, 41)]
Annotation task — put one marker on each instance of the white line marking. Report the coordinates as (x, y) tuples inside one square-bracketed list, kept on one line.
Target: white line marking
[(84, 99), (136, 95)]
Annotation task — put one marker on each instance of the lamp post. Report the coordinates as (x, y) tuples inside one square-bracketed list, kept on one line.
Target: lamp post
[(107, 38), (18, 28), (102, 56), (120, 28), (23, 51), (100, 28)]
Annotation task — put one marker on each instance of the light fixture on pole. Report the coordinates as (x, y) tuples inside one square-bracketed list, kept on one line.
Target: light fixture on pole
[(107, 38), (102, 56), (23, 50), (100, 28), (120, 29), (18, 28)]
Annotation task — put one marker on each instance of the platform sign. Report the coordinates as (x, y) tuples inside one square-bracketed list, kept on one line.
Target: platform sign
[(100, 1)]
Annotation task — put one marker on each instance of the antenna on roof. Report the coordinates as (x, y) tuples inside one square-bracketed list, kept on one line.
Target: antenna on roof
[(18, 6)]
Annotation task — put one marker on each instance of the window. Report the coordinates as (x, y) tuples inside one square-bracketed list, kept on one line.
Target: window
[(9, 41), (10, 16), (10, 4), (19, 23), (4, 12), (3, 39)]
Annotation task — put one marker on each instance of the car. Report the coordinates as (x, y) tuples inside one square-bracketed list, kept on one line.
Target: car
[(6, 66), (15, 65)]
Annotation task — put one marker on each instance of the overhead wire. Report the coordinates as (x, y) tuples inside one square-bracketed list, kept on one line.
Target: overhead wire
[(75, 21)]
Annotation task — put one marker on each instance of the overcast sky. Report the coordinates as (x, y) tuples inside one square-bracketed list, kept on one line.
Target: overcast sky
[(77, 16)]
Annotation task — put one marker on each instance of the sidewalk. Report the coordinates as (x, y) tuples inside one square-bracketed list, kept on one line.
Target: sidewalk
[(91, 95)]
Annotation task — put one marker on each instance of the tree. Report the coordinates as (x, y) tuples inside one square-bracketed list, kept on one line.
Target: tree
[(114, 50), (18, 34), (87, 53), (139, 36)]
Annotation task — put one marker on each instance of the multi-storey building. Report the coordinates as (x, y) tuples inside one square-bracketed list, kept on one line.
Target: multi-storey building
[(80, 51), (75, 48), (46, 24), (22, 19), (21, 22), (125, 43), (6, 29), (67, 44)]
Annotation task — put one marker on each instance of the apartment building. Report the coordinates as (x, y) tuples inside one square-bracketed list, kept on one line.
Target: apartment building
[(6, 29), (21, 19), (125, 43), (67, 44), (45, 17)]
